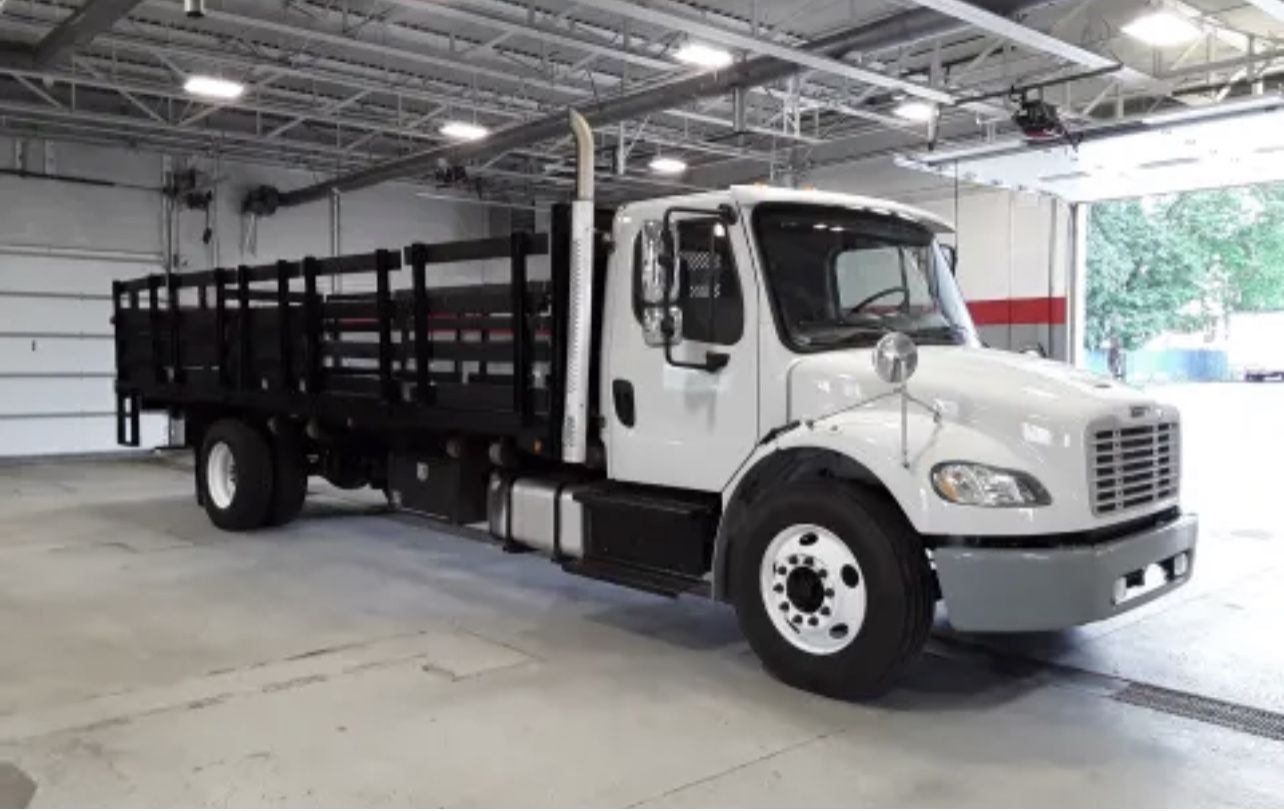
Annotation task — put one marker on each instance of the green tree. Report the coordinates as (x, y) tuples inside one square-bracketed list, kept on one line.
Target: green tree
[(1259, 281), (1183, 262), (1139, 280)]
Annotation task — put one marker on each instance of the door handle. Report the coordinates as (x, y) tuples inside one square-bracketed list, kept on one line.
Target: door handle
[(625, 406)]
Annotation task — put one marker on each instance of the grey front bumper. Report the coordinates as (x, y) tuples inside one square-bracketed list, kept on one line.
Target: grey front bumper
[(1027, 589)]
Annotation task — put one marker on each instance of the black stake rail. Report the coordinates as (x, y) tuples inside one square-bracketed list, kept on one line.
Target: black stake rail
[(254, 341), (284, 272)]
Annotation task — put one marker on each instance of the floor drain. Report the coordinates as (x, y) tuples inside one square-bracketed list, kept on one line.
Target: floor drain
[(1254, 721)]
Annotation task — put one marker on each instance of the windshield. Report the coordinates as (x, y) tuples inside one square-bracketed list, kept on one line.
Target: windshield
[(841, 278)]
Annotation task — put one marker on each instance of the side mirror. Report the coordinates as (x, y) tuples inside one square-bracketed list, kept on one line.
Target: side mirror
[(951, 257), (661, 275), (654, 270), (661, 329), (661, 319)]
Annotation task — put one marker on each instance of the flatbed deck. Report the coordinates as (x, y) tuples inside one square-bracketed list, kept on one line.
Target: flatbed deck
[(408, 356)]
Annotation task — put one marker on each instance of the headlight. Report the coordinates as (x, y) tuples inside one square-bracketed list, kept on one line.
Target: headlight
[(984, 486)]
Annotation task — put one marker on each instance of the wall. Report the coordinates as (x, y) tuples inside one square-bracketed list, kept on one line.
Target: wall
[(1015, 249), (62, 244)]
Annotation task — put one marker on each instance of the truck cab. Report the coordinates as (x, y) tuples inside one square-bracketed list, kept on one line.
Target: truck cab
[(740, 335)]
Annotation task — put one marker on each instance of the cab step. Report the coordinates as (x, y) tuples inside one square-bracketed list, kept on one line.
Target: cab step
[(664, 533), (664, 584)]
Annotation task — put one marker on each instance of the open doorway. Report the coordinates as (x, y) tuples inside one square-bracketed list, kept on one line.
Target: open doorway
[(1187, 287), (1179, 290), (1184, 297)]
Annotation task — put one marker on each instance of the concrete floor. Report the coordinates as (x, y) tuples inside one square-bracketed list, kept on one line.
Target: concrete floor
[(357, 659)]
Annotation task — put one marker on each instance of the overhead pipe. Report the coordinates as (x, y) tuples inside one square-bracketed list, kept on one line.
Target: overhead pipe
[(910, 26), (579, 322)]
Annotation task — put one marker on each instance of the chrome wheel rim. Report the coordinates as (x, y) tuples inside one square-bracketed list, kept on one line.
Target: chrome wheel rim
[(813, 589), (220, 475)]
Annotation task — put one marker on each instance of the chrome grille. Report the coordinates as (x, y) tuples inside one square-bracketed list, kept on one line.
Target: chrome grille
[(1131, 466)]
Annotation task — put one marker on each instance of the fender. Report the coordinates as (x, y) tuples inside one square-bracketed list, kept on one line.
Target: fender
[(777, 467), (864, 446)]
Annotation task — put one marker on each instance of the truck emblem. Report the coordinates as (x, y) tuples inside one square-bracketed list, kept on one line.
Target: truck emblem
[(1138, 411)]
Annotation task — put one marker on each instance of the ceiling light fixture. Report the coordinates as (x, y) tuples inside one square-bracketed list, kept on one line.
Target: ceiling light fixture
[(915, 110), (667, 166), (704, 56), (212, 87), (1163, 29), (464, 130)]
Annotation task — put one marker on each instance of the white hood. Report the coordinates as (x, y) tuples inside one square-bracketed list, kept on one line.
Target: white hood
[(967, 384), (997, 408)]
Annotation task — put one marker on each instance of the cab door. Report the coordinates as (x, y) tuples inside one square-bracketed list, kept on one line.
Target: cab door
[(690, 419)]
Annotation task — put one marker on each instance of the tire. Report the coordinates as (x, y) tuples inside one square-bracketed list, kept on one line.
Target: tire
[(239, 499), (805, 638), (289, 476)]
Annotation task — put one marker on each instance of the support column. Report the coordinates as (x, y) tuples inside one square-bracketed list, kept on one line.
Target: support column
[(1077, 292)]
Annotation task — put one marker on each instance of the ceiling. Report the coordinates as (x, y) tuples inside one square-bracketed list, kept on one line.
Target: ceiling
[(338, 85), (1236, 143)]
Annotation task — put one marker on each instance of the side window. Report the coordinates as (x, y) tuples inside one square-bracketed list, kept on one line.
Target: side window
[(709, 291)]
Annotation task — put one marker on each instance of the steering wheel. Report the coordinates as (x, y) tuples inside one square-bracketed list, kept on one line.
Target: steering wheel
[(868, 300)]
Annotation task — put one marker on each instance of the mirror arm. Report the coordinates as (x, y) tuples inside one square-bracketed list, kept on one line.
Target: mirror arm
[(713, 361)]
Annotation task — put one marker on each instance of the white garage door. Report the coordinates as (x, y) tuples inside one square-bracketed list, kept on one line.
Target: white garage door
[(57, 357)]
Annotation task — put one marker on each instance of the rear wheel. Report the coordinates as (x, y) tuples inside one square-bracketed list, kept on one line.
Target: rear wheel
[(289, 475), (832, 588), (234, 474)]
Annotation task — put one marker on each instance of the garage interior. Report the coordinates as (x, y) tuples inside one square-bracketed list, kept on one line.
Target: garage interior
[(361, 657)]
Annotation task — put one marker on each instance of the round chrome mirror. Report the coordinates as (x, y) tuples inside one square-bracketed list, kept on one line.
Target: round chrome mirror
[(895, 358)]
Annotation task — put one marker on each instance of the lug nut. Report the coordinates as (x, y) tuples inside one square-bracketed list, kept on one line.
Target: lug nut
[(793, 560), (781, 570), (778, 588), (798, 619), (824, 611), (829, 592), (813, 621), (823, 574), (784, 606)]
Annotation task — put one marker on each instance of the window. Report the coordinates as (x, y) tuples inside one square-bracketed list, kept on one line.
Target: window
[(880, 279), (839, 277), (708, 291)]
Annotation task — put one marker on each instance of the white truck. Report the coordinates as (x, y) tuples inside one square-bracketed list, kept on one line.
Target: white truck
[(772, 397)]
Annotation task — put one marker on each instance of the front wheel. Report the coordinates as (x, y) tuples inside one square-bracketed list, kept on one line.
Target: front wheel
[(832, 588)]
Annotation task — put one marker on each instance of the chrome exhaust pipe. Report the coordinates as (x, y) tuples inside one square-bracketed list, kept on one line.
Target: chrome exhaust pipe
[(579, 327)]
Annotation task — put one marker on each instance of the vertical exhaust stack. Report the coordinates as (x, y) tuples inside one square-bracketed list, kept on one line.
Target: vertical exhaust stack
[(579, 327)]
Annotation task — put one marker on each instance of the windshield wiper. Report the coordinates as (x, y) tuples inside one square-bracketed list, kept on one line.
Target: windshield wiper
[(943, 331), (840, 334)]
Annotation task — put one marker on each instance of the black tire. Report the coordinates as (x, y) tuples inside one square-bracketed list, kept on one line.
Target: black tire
[(289, 476), (899, 586), (252, 498)]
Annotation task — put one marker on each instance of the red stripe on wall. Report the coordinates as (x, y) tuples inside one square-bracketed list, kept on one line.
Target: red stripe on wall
[(1049, 310)]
